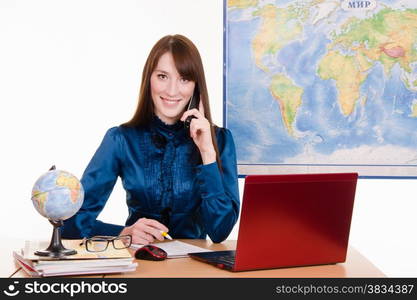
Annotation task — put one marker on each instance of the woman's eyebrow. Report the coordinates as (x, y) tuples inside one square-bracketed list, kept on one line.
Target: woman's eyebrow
[(161, 71)]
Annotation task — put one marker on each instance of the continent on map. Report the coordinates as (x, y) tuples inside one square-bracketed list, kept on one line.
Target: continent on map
[(289, 97), (278, 28), (348, 74), (71, 183), (40, 199)]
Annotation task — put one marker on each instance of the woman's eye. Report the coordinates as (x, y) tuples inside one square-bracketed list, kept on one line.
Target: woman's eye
[(161, 76), (183, 80)]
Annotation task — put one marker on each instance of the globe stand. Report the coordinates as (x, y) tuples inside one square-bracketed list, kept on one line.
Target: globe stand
[(56, 249)]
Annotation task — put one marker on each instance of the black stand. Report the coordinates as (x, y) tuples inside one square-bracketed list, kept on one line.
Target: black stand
[(56, 249)]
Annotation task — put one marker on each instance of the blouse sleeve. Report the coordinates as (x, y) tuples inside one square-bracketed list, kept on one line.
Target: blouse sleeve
[(98, 181), (219, 190)]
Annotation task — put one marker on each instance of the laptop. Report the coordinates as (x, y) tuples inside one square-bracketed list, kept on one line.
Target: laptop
[(290, 220)]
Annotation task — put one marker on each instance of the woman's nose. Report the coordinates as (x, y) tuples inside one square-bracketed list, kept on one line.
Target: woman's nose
[(172, 89)]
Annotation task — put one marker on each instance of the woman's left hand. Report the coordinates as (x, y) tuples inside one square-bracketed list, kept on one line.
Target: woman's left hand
[(201, 134)]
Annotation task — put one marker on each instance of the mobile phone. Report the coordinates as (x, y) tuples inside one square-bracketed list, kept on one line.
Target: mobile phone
[(194, 103)]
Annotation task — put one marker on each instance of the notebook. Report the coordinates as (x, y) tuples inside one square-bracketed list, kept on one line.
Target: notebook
[(174, 249), (290, 220)]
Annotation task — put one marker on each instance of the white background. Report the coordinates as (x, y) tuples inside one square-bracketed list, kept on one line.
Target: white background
[(69, 70)]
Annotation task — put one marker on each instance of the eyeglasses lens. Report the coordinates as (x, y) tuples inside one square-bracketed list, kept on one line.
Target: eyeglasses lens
[(96, 245)]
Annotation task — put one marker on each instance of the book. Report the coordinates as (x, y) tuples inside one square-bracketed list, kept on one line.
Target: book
[(175, 249), (83, 263)]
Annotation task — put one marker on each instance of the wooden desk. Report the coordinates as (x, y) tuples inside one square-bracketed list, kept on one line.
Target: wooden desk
[(356, 265)]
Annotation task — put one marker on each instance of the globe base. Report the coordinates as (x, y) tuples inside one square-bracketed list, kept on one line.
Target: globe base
[(53, 253), (56, 249)]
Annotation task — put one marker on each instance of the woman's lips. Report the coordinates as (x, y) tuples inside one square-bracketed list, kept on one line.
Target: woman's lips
[(170, 102)]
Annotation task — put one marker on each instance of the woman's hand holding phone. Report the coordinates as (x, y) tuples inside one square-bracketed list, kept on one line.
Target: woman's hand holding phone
[(201, 134)]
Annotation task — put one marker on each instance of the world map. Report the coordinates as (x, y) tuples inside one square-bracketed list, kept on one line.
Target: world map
[(323, 85)]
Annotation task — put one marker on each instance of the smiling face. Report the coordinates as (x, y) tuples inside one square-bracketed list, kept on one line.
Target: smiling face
[(169, 90)]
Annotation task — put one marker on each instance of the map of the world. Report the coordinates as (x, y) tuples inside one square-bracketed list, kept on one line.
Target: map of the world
[(322, 85)]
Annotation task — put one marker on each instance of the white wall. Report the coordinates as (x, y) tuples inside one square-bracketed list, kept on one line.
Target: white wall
[(69, 70)]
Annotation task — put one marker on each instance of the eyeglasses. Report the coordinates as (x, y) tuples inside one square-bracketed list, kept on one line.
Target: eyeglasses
[(100, 243)]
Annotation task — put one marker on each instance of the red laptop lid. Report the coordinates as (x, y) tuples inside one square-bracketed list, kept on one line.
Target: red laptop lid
[(295, 220)]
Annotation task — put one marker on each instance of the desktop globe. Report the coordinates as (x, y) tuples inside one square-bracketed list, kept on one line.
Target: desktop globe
[(57, 195)]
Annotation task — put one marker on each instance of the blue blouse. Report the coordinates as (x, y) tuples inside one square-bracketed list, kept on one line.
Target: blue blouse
[(161, 171)]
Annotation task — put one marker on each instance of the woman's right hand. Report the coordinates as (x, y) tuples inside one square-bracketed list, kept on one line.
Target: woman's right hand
[(145, 231)]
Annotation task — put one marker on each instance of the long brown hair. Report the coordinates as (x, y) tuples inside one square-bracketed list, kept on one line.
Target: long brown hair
[(189, 65)]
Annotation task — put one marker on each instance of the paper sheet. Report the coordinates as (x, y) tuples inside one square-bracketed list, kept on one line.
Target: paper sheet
[(175, 249)]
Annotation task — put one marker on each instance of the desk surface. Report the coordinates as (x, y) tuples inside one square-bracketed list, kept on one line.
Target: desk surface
[(356, 265)]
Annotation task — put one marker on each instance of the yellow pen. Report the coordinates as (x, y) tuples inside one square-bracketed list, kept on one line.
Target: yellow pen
[(166, 235)]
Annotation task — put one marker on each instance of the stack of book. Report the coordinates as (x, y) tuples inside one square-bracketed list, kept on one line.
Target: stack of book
[(109, 261)]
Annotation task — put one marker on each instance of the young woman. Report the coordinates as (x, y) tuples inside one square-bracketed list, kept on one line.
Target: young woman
[(177, 179)]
